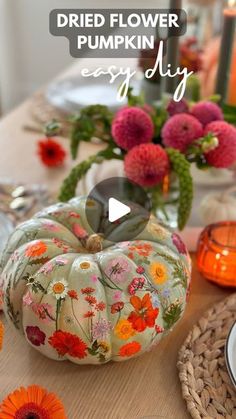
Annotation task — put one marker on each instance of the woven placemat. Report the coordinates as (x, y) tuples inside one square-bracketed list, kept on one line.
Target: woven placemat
[(206, 385)]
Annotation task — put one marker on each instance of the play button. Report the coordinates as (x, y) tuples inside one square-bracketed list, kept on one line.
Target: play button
[(118, 209)]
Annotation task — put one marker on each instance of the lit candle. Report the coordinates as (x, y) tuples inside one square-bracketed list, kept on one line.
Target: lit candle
[(226, 50), (173, 52), (216, 253)]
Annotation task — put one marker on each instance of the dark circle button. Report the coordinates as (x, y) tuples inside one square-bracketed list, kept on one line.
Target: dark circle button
[(118, 209)]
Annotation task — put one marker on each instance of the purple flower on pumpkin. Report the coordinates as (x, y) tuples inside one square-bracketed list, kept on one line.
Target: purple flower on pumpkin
[(179, 244), (101, 329), (35, 335), (117, 269)]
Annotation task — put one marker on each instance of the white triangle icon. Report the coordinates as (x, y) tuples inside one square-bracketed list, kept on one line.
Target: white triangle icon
[(116, 209)]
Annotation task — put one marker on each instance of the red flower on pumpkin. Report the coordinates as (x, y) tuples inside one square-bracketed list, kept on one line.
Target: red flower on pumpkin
[(130, 349), (91, 300), (35, 335), (51, 153), (73, 294), (100, 306), (67, 343), (89, 314), (87, 290), (117, 307), (144, 315)]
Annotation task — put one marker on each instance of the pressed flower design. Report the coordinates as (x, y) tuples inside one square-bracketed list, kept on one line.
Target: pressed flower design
[(115, 304), (124, 329), (35, 335), (130, 349), (58, 288), (68, 344), (36, 249), (158, 272), (144, 315)]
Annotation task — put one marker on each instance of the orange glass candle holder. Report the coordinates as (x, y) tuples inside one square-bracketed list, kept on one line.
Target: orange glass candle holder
[(216, 253)]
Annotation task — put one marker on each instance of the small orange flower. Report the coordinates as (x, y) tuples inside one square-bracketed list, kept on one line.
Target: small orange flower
[(91, 300), (38, 248), (73, 294), (32, 402), (124, 329), (130, 349), (1, 334)]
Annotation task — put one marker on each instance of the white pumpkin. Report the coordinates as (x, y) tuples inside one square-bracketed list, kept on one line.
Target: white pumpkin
[(219, 207)]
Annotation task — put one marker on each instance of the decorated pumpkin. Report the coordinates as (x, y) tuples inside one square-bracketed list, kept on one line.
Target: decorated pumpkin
[(75, 296)]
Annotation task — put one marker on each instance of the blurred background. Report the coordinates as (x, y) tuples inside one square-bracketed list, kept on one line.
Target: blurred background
[(30, 56)]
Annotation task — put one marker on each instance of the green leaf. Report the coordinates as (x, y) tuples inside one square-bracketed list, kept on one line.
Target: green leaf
[(229, 113), (179, 270), (172, 314), (94, 120), (52, 128), (134, 100)]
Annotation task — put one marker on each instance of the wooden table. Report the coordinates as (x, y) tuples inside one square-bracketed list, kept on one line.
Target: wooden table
[(142, 388)]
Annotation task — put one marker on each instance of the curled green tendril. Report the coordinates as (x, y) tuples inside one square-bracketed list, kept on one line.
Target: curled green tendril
[(181, 167), (68, 188)]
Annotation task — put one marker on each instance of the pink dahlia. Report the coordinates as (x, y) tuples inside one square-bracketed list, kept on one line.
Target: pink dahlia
[(132, 126), (174, 107), (224, 155), (207, 112), (146, 164), (181, 130)]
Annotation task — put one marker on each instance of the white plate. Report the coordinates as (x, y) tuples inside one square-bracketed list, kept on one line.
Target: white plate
[(74, 93), (230, 353)]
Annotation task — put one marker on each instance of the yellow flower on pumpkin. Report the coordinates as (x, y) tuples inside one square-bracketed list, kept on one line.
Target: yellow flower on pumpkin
[(85, 265), (124, 329), (1, 334), (158, 272), (104, 346)]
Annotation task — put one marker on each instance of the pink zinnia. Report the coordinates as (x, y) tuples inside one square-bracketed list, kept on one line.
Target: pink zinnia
[(180, 131), (207, 112), (132, 126), (146, 164), (224, 155)]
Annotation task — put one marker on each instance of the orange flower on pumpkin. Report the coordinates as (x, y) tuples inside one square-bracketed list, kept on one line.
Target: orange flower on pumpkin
[(38, 248), (144, 315), (72, 294), (130, 349), (32, 402), (1, 334), (143, 249)]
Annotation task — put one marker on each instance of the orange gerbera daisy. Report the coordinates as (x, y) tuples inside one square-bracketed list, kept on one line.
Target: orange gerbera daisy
[(38, 248), (129, 349), (32, 402), (1, 334)]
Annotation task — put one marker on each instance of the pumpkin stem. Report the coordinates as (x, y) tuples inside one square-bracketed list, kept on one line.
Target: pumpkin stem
[(94, 243)]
